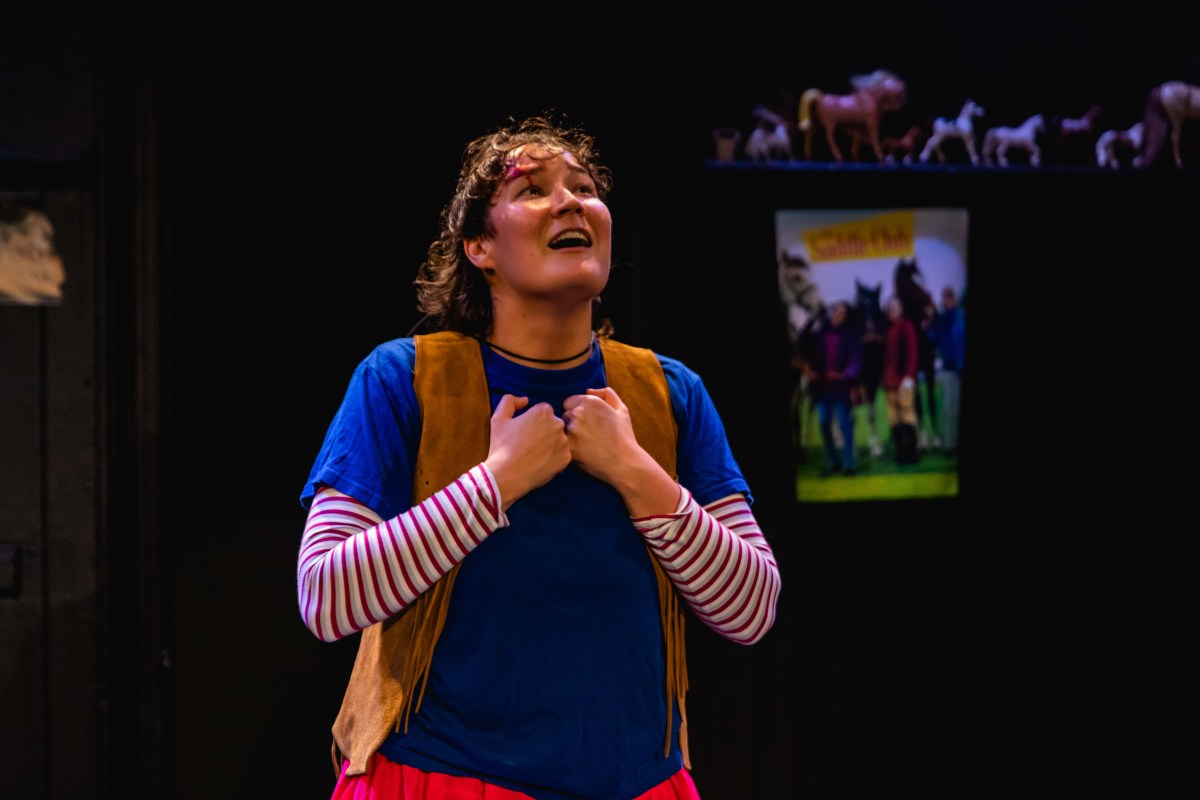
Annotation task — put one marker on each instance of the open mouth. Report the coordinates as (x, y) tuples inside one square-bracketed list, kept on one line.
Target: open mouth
[(570, 239)]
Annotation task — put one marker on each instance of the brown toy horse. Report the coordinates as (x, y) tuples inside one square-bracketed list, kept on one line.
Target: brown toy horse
[(1168, 107), (903, 149), (1076, 129), (874, 95)]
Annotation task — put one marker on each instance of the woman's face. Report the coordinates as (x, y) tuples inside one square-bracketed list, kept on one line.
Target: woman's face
[(838, 313), (549, 235)]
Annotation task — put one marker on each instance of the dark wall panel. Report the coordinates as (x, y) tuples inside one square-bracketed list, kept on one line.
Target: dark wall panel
[(22, 638)]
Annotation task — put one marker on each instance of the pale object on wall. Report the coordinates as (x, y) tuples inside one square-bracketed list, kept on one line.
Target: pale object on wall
[(31, 270)]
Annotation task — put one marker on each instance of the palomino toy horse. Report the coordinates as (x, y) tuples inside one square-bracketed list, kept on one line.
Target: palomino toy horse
[(998, 141), (962, 129), (874, 95)]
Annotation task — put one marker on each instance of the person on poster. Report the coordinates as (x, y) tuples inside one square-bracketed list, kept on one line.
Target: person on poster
[(949, 333), (516, 509), (833, 363), (900, 357)]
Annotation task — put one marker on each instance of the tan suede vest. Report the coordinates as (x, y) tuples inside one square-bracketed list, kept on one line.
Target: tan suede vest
[(390, 670)]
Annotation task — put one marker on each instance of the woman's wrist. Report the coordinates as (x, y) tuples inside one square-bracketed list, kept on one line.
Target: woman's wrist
[(646, 487), (504, 480)]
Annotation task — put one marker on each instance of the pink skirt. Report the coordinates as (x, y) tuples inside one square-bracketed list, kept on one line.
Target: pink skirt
[(387, 780)]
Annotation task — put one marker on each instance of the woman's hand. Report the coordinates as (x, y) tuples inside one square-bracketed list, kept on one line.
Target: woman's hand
[(525, 451), (602, 443), (599, 432)]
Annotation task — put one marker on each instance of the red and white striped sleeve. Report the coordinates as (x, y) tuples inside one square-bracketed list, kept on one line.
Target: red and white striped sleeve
[(720, 563), (355, 569)]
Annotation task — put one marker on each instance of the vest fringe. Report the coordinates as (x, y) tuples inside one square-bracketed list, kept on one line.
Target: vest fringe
[(674, 624), (431, 608)]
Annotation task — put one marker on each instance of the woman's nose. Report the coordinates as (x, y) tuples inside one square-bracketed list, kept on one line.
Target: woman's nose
[(566, 202)]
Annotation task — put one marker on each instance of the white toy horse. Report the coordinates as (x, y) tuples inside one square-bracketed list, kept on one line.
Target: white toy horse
[(1111, 144), (962, 129), (771, 139), (997, 141)]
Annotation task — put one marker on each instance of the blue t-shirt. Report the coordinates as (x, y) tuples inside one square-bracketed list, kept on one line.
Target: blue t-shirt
[(548, 677)]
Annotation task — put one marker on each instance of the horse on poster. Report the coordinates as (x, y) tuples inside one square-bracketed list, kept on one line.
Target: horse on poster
[(868, 317), (802, 300), (908, 283)]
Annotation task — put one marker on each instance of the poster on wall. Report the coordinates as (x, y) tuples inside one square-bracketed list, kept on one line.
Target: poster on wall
[(31, 270), (876, 306)]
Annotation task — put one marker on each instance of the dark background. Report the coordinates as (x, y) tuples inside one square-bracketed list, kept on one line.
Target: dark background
[(274, 178)]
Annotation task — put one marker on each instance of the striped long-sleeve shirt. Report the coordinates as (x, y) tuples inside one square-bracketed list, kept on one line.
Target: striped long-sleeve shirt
[(356, 569)]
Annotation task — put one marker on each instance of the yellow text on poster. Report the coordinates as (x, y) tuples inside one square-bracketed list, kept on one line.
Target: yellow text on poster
[(883, 236)]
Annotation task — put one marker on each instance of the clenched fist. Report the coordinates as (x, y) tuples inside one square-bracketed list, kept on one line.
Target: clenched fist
[(525, 451)]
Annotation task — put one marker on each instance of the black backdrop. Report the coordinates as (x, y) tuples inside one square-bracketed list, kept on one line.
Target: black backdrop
[(1013, 641)]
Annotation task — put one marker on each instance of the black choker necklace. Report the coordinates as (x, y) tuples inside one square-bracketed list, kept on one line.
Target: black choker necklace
[(580, 354)]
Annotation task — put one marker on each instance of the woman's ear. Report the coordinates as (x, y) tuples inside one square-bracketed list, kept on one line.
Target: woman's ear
[(478, 251)]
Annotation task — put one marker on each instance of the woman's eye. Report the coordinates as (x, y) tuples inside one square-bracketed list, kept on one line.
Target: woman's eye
[(586, 188)]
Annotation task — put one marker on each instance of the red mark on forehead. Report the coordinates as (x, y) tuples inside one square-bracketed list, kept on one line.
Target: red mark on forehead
[(523, 166), (518, 169)]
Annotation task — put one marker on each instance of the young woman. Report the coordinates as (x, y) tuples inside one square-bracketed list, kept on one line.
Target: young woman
[(512, 508)]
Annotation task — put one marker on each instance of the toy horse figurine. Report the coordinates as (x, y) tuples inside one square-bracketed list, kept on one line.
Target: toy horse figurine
[(771, 139), (1072, 130), (902, 149), (874, 95), (1117, 147), (997, 141), (962, 129), (1177, 102)]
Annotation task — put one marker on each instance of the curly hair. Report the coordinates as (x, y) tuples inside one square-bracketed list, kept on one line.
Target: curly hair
[(454, 294)]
